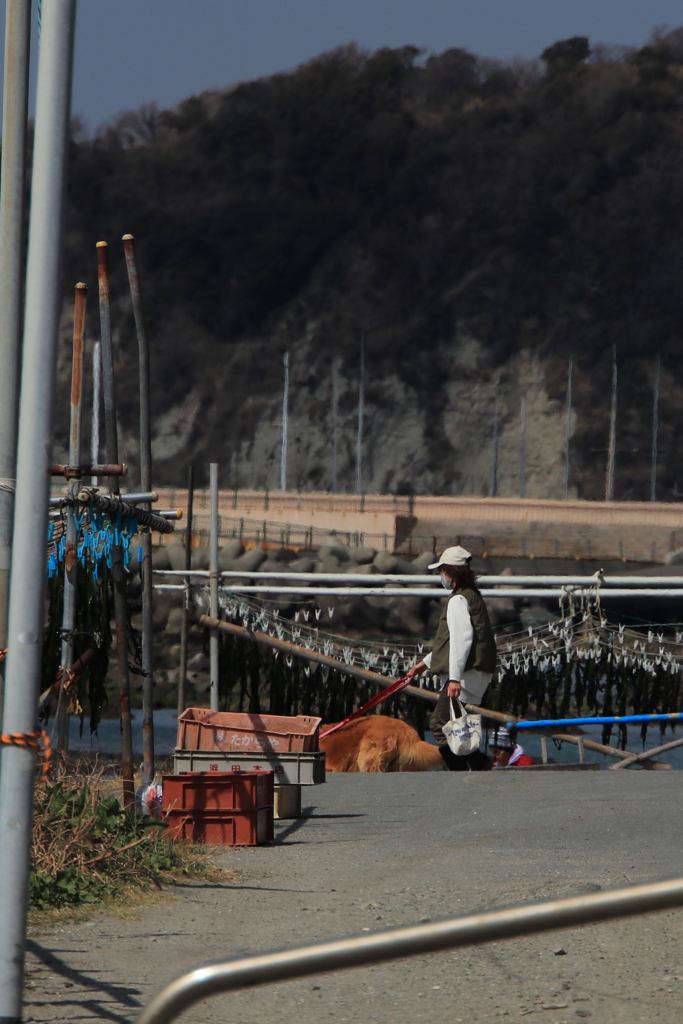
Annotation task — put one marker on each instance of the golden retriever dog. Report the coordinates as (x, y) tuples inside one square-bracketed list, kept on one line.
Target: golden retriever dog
[(377, 743)]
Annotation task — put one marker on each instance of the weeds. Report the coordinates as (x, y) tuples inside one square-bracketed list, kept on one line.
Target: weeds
[(88, 849)]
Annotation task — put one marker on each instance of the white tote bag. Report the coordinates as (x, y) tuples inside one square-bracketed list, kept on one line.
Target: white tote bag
[(463, 734)]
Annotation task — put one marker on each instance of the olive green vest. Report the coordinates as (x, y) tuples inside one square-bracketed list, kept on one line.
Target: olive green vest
[(482, 654)]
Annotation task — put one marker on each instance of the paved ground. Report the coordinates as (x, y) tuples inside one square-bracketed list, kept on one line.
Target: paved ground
[(377, 851)]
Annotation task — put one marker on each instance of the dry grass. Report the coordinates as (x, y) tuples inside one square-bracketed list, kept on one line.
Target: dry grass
[(88, 850)]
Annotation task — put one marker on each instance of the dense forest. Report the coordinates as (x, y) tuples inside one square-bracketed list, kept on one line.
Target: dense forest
[(470, 220)]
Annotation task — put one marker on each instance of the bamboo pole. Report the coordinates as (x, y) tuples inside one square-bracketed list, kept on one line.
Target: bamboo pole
[(182, 676), (639, 758), (379, 680)]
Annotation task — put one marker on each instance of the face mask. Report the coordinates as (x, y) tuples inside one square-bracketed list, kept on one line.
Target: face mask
[(445, 582)]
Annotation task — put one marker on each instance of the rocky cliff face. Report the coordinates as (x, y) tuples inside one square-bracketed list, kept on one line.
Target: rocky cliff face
[(468, 222)]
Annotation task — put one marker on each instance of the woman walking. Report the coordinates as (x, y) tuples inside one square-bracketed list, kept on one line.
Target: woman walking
[(463, 654)]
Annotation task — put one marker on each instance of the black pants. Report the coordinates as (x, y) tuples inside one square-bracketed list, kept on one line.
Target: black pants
[(475, 762)]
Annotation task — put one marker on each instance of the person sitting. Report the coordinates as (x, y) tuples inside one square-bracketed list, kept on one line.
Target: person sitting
[(507, 753)]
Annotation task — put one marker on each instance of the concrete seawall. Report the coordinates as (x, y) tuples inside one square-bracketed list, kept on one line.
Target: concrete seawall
[(507, 527)]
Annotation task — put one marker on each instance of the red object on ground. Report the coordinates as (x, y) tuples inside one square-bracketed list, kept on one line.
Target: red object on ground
[(202, 729), (222, 828), (372, 703), (217, 791)]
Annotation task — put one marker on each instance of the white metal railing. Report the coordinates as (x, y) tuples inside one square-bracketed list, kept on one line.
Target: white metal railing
[(405, 942)]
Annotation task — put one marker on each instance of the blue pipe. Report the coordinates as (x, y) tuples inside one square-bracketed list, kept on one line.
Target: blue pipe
[(545, 723)]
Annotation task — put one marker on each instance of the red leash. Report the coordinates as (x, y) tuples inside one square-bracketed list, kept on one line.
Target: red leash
[(372, 703)]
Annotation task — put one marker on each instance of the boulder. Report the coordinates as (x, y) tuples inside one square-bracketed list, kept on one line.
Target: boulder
[(176, 554), (250, 560), (160, 559), (339, 550), (385, 562), (200, 558), (361, 556), (302, 565), (231, 549), (423, 561)]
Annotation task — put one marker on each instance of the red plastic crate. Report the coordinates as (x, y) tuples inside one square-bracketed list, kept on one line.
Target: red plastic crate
[(222, 828), (217, 791), (202, 729)]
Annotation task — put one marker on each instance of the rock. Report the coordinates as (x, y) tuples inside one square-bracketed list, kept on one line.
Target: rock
[(174, 622), (422, 562), (339, 550), (176, 554), (160, 559), (250, 560), (329, 563), (199, 663), (405, 567), (200, 558), (674, 557), (302, 565), (361, 556), (365, 570), (232, 549), (385, 562)]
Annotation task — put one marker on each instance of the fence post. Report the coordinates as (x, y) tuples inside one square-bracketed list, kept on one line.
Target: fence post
[(182, 678), (26, 611), (146, 535), (71, 558), (118, 570)]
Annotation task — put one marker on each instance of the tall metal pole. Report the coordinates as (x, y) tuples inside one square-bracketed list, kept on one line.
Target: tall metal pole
[(12, 182), (96, 402), (74, 485), (285, 410), (361, 404), (494, 463), (567, 429), (146, 535), (118, 570), (184, 629), (655, 431), (612, 448), (26, 610), (335, 424), (213, 555), (522, 448)]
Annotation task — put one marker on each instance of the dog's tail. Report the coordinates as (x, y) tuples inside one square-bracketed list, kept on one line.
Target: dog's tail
[(419, 757)]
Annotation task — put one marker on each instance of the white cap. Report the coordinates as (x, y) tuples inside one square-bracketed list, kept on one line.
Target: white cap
[(453, 556)]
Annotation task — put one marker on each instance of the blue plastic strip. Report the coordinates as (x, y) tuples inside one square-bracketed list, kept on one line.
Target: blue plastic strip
[(546, 723)]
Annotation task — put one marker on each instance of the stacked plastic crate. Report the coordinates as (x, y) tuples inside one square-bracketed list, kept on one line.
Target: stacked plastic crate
[(220, 808)]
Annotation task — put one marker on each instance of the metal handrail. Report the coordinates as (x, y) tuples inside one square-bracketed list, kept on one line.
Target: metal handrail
[(404, 942), (373, 579)]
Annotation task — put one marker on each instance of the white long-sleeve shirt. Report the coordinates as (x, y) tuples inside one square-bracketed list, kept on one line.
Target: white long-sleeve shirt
[(461, 635)]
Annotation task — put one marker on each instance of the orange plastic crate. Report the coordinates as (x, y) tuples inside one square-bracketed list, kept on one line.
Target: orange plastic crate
[(222, 828), (202, 729), (217, 791)]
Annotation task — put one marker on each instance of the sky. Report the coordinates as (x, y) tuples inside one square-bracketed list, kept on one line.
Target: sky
[(130, 52)]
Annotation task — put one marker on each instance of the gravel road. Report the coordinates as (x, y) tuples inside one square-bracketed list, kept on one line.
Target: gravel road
[(380, 851)]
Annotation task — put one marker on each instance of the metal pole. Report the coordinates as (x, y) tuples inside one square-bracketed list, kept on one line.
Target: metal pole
[(285, 404), (494, 466), (96, 402), (26, 611), (655, 431), (612, 449), (361, 403), (213, 645), (475, 929), (12, 180), (118, 570), (182, 678), (335, 423), (74, 485), (146, 534), (522, 449), (567, 429)]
